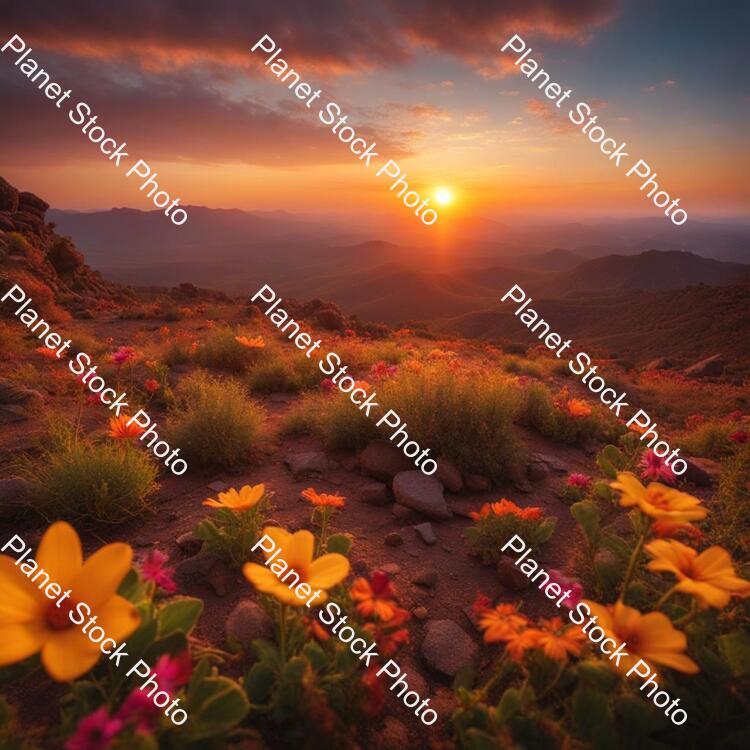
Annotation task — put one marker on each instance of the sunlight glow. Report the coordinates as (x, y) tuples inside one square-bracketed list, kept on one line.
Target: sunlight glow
[(443, 196)]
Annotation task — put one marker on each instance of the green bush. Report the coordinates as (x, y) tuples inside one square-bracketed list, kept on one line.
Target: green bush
[(82, 481), (710, 440), (220, 351), (213, 422), (277, 375), (305, 416)]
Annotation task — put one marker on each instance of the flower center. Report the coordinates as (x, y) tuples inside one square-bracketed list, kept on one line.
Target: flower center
[(57, 617)]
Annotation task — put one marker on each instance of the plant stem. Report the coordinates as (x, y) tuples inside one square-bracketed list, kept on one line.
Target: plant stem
[(689, 617), (492, 679), (633, 560), (664, 597), (282, 632)]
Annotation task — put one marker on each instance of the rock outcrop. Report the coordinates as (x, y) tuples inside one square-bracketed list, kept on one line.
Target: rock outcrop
[(48, 266)]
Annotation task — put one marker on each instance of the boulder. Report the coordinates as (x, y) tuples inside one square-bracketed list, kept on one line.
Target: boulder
[(382, 461), (660, 363), (449, 475), (702, 471), (402, 513), (8, 197), (64, 257), (552, 462), (375, 493), (510, 576), (711, 367), (421, 493), (6, 223), (447, 647), (303, 464), (248, 622), (32, 204), (537, 471), (477, 483)]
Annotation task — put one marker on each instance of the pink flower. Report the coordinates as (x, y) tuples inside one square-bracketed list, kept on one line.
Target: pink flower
[(123, 354), (740, 436), (172, 672), (735, 416), (139, 711), (153, 569), (654, 467), (151, 385), (382, 369), (327, 384), (350, 332), (579, 480), (95, 731), (565, 584)]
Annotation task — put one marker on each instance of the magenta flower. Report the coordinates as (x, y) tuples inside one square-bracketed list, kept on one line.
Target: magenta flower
[(95, 731), (153, 569), (740, 436), (565, 584), (123, 354), (382, 369), (327, 384), (172, 672), (654, 467), (139, 711), (735, 416), (582, 481)]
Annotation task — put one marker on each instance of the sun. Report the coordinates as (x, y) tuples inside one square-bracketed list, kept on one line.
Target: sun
[(443, 196)]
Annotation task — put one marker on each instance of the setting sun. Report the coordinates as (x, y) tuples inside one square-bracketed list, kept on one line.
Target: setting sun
[(443, 196)]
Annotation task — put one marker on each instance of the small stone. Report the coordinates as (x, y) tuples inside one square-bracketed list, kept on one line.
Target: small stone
[(248, 622), (382, 461), (375, 493), (420, 613), (477, 483), (197, 566), (427, 578), (552, 462), (394, 734), (419, 492), (304, 464), (221, 578), (447, 647), (449, 475), (189, 544), (446, 548), (426, 532), (702, 471), (660, 363), (218, 486), (707, 368), (391, 568), (510, 576), (537, 471), (394, 539)]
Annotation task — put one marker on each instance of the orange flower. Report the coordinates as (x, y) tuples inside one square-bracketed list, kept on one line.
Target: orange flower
[(501, 622), (506, 507), (121, 430), (560, 642), (315, 498), (361, 384), (517, 644), (374, 597), (670, 529), (46, 353), (390, 636), (577, 408), (256, 343), (151, 385), (164, 331), (314, 629)]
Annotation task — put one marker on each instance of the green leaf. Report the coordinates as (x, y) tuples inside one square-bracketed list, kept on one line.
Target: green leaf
[(509, 704), (735, 648), (476, 739), (208, 532), (315, 655), (606, 467), (174, 643), (587, 515), (598, 675), (179, 614), (615, 457), (590, 710), (340, 543), (224, 705), (603, 491), (464, 677), (201, 670), (259, 683)]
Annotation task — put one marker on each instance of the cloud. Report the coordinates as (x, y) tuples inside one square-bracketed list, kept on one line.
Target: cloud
[(171, 34), (668, 83)]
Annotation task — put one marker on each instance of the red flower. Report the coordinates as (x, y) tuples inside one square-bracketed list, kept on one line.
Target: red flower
[(95, 731), (740, 436), (327, 384), (153, 569), (654, 467), (480, 604), (151, 385), (579, 480), (124, 354)]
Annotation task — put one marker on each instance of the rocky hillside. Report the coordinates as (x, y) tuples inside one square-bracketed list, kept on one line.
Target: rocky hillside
[(47, 264)]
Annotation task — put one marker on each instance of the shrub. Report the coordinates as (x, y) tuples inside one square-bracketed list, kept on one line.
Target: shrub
[(729, 521), (213, 422), (304, 417), (342, 426), (710, 439), (278, 375), (178, 352), (517, 366), (496, 523), (220, 351), (80, 480)]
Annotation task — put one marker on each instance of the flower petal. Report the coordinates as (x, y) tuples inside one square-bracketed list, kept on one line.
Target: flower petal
[(19, 641), (69, 654), (118, 617), (60, 553), (21, 600), (328, 570), (102, 573)]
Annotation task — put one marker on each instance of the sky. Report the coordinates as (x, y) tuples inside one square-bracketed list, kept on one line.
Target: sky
[(425, 79)]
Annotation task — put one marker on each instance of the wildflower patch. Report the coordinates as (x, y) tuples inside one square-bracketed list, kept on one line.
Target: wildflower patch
[(139, 425)]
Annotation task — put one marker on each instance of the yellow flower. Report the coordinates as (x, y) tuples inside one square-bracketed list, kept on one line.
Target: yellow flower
[(650, 637), (32, 623), (255, 343), (708, 576), (297, 551), (657, 500), (238, 502)]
